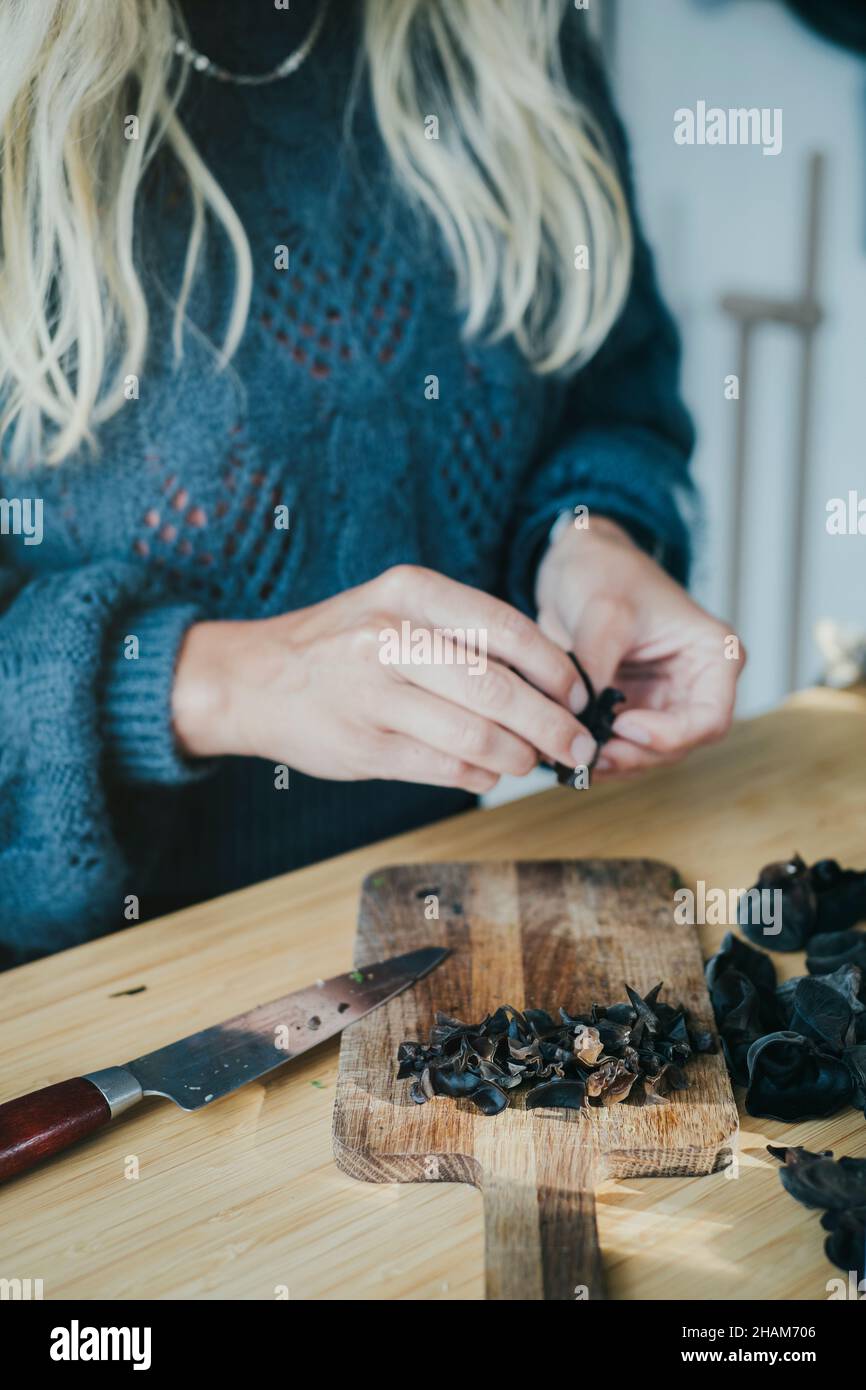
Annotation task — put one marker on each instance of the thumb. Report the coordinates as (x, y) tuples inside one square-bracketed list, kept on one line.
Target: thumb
[(602, 639)]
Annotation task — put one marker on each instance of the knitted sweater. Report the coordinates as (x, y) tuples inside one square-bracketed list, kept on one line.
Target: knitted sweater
[(324, 412)]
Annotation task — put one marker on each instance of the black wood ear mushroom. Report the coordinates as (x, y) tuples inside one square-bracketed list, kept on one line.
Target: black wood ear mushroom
[(597, 718)]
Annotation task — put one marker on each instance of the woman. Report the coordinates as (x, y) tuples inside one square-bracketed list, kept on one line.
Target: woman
[(289, 363)]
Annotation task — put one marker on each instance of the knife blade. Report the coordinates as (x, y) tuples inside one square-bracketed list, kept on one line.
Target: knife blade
[(209, 1064)]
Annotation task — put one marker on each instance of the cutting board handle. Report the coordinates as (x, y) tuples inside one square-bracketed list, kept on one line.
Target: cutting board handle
[(540, 1243), (540, 1233), (42, 1123)]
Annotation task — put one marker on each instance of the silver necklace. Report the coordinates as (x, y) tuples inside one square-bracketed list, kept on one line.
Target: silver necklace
[(201, 63)]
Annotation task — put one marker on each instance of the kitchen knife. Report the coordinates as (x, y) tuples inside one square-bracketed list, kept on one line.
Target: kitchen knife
[(206, 1065)]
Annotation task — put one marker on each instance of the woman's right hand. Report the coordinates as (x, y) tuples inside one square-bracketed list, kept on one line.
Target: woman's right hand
[(313, 689)]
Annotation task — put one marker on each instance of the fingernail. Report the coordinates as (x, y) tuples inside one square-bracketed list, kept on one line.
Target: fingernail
[(577, 697), (582, 750), (635, 733), (482, 784)]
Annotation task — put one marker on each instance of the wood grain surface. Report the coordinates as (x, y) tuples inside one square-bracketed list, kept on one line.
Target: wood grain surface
[(244, 1200), (535, 934)]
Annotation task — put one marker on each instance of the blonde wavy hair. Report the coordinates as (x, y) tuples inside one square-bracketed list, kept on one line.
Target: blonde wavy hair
[(519, 176)]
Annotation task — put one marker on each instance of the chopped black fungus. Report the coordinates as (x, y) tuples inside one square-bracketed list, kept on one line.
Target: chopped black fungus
[(799, 1047), (823, 898), (635, 1051), (838, 1188), (314, 1022), (597, 717), (341, 1008)]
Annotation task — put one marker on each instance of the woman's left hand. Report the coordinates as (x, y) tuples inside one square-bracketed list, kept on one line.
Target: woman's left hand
[(633, 627)]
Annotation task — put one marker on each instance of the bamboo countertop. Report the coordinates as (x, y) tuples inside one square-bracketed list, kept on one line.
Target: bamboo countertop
[(243, 1199)]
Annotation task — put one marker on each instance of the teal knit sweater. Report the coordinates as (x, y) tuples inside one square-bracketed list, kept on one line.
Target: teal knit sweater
[(324, 412)]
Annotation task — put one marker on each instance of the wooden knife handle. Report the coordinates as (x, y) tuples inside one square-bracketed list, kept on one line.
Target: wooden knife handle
[(43, 1123)]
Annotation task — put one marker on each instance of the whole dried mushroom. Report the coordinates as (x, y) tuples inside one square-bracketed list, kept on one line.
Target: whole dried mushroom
[(838, 1187), (798, 1047), (817, 899), (597, 718)]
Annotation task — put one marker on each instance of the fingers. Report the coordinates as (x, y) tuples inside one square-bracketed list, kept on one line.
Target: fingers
[(603, 637), (553, 627), (703, 718), (673, 730), (621, 758), (449, 728), (689, 695), (398, 758), (432, 600), (501, 697)]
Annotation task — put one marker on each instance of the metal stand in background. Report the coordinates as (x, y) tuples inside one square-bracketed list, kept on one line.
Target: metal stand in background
[(804, 315)]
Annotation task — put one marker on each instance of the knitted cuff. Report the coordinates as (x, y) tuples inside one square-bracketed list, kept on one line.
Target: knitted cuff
[(625, 475), (136, 697)]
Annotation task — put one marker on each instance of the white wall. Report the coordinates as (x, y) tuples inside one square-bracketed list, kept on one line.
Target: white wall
[(727, 219)]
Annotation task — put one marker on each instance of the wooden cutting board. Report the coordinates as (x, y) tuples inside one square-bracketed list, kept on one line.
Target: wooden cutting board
[(536, 934)]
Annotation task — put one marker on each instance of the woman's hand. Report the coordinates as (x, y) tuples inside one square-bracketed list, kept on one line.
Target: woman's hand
[(634, 628), (314, 689)]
